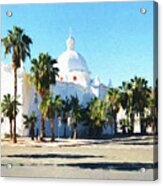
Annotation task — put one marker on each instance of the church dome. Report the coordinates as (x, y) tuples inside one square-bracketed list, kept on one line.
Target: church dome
[(70, 60)]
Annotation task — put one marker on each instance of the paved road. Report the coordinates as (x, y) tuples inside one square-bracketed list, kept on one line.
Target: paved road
[(120, 158)]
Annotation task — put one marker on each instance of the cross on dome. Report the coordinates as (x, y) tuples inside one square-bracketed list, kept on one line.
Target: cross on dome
[(70, 43), (70, 31)]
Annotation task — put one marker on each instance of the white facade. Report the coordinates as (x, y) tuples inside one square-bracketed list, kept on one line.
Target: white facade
[(74, 79), (7, 87)]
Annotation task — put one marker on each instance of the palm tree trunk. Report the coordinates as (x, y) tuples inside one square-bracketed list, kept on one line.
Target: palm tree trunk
[(11, 134), (75, 131), (132, 119), (98, 132), (65, 131), (156, 124), (142, 124), (42, 128), (15, 96), (115, 125), (52, 129), (32, 132), (90, 130)]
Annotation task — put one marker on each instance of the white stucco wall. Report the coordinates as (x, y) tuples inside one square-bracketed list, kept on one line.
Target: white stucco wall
[(7, 86), (64, 89)]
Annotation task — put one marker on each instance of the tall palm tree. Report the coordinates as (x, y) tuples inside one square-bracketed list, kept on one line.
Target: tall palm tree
[(7, 106), (50, 106), (66, 108), (75, 114), (17, 44), (43, 75), (126, 91), (97, 115), (29, 122), (151, 115), (141, 95), (113, 104), (156, 104)]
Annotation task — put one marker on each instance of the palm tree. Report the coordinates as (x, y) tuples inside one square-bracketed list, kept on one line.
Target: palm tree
[(126, 91), (141, 96), (113, 104), (66, 108), (29, 122), (75, 114), (151, 115), (7, 106), (123, 125), (43, 75), (156, 104), (49, 107), (97, 115), (17, 44)]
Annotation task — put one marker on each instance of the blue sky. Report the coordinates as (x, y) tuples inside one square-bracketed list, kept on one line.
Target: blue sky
[(115, 38)]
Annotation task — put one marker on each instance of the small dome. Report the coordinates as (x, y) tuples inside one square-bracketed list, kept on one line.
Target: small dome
[(110, 85), (70, 60), (96, 81)]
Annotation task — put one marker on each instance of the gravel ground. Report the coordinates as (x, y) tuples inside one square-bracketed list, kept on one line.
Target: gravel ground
[(121, 158)]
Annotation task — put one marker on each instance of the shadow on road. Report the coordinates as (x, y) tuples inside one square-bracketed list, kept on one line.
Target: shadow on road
[(113, 166), (139, 143), (37, 156)]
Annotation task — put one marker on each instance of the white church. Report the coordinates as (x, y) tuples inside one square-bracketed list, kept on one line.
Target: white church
[(74, 79)]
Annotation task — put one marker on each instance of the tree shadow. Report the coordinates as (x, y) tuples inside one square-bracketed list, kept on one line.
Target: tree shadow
[(113, 166), (121, 141), (86, 144), (138, 143), (125, 139), (39, 156)]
